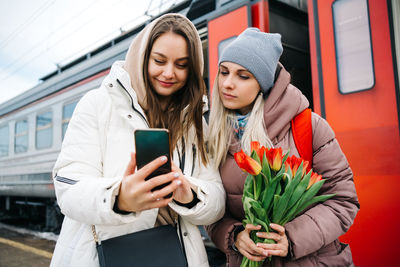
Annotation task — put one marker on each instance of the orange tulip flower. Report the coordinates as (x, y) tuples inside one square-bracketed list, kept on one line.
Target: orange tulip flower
[(246, 163), (294, 163), (255, 146), (274, 156), (315, 177)]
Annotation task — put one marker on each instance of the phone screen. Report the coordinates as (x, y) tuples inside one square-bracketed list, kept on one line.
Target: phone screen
[(151, 144)]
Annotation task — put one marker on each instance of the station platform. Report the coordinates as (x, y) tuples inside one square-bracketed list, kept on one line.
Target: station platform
[(19, 247)]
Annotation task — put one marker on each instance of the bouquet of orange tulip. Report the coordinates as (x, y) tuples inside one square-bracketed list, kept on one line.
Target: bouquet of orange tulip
[(276, 190)]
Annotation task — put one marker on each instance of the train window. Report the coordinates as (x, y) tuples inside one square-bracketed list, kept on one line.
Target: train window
[(353, 45), (67, 114), (44, 130), (4, 141), (21, 136)]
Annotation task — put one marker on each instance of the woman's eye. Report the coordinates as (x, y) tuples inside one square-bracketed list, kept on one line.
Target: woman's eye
[(158, 61), (181, 66), (244, 77), (224, 73)]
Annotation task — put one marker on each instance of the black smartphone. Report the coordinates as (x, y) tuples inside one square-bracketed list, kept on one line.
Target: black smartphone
[(151, 144)]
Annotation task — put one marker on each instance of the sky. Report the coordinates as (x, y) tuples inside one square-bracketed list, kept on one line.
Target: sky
[(37, 36)]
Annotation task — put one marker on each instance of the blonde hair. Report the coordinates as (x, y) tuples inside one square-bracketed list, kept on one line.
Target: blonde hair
[(221, 127)]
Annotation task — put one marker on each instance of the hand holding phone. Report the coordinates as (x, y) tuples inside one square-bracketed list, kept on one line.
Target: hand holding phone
[(151, 144), (135, 193)]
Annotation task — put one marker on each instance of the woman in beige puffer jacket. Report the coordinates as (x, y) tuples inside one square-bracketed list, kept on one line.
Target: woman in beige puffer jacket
[(254, 100)]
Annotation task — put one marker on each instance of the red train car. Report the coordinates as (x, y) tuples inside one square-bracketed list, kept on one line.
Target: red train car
[(354, 84), (365, 115)]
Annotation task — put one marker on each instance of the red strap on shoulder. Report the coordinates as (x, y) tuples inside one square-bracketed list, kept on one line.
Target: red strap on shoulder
[(302, 135)]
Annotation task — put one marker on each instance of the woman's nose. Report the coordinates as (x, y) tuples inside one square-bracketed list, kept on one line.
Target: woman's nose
[(168, 71), (228, 82)]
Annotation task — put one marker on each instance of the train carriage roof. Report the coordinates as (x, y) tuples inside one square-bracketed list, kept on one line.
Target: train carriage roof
[(102, 57)]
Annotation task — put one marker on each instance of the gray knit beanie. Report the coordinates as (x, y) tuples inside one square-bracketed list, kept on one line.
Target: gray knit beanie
[(258, 52)]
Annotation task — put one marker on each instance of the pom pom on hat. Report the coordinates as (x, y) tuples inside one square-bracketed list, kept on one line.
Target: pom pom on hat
[(258, 52)]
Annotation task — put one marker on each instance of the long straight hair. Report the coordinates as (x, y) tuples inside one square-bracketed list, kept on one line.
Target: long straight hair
[(185, 108), (222, 123)]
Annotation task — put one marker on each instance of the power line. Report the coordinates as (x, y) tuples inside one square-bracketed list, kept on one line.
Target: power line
[(22, 27), (40, 42), (8, 75)]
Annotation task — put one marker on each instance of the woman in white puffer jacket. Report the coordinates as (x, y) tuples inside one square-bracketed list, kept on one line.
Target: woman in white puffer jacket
[(159, 85)]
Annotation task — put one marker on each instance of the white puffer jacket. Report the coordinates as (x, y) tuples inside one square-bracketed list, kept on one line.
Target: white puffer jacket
[(89, 169)]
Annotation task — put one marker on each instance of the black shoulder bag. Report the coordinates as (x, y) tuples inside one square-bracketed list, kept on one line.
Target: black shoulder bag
[(158, 246)]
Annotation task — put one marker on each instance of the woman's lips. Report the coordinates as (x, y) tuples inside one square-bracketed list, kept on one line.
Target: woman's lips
[(166, 84), (228, 96)]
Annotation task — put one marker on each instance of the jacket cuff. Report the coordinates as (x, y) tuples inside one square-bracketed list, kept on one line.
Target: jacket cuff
[(232, 234), (236, 230), (190, 204), (116, 208)]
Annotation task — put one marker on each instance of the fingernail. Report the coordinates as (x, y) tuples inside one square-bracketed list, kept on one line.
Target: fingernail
[(258, 234), (178, 182), (176, 175), (163, 158)]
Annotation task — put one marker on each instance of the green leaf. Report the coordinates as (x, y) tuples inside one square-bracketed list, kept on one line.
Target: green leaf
[(265, 169), (275, 205), (316, 199), (301, 185), (289, 170), (278, 187), (255, 156), (247, 208), (263, 224), (285, 156), (248, 187), (259, 186), (269, 194), (312, 191), (282, 205), (259, 211), (292, 212)]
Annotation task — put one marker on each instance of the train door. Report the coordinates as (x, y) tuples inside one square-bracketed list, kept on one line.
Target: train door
[(269, 16), (355, 87)]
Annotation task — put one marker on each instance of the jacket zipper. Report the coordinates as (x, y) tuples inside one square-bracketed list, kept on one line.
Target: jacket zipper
[(133, 106)]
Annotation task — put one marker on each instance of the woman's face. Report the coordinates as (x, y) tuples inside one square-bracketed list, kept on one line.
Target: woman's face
[(238, 88), (168, 64)]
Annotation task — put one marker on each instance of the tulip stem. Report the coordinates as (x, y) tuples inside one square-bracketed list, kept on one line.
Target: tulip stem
[(255, 187)]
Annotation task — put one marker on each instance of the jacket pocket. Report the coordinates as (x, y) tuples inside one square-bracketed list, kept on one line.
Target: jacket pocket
[(335, 254)]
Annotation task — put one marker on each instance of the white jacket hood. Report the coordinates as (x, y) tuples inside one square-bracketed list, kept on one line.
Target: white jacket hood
[(134, 59)]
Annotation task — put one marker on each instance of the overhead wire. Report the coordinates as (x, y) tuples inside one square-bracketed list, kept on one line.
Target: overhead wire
[(31, 19), (57, 42), (40, 42)]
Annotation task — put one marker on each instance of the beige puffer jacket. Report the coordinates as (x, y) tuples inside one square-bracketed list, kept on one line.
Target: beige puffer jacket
[(314, 234)]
